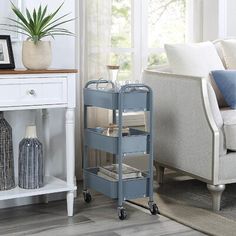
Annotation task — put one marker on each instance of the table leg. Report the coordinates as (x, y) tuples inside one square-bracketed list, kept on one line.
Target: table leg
[(46, 144), (70, 157)]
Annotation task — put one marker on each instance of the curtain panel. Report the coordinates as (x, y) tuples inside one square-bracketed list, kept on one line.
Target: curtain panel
[(95, 43)]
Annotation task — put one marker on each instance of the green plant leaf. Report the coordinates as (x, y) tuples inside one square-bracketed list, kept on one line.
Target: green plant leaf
[(60, 30), (16, 31), (51, 16), (45, 21), (34, 18), (57, 34), (30, 20), (58, 24), (38, 24), (54, 21), (20, 24), (58, 9), (15, 26), (38, 16), (19, 15), (44, 13)]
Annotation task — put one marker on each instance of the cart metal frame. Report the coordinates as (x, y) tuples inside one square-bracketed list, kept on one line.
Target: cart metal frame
[(130, 97)]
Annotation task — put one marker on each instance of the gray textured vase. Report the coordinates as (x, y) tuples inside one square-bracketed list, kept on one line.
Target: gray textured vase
[(7, 177), (31, 173)]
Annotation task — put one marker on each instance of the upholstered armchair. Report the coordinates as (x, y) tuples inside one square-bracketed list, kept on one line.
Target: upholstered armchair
[(189, 134)]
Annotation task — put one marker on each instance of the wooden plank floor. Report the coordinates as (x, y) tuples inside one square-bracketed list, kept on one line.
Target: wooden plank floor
[(97, 218)]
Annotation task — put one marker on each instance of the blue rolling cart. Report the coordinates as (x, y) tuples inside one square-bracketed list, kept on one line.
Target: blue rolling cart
[(131, 97)]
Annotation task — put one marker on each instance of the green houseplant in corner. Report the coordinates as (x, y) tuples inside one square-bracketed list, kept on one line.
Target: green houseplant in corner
[(38, 25)]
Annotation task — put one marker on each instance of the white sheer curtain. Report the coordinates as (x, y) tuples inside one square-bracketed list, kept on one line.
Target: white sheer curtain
[(95, 39)]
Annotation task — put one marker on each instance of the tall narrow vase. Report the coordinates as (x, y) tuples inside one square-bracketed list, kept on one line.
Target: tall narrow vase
[(7, 177), (31, 173), (113, 72)]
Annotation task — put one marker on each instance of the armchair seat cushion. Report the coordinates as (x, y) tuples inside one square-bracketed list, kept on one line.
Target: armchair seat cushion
[(229, 120)]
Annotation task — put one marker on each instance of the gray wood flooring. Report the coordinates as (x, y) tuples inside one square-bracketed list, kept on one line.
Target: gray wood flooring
[(97, 218)]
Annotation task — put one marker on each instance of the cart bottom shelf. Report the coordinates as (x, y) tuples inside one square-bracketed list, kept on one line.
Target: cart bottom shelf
[(132, 188)]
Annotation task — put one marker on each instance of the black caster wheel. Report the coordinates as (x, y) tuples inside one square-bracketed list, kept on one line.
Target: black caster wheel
[(87, 197), (122, 214), (154, 209)]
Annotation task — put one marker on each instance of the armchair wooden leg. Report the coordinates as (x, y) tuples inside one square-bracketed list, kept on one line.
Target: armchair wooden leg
[(159, 172), (216, 192)]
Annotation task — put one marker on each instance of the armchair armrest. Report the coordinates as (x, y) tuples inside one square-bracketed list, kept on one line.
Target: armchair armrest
[(185, 134)]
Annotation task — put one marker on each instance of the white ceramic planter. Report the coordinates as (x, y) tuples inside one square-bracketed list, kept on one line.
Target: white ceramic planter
[(36, 56)]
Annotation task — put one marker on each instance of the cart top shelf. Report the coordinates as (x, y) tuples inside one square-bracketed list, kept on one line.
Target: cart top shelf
[(128, 97)]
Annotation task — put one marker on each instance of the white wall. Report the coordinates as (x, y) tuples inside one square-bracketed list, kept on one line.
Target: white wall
[(210, 20), (219, 19), (231, 18), (63, 47), (64, 56)]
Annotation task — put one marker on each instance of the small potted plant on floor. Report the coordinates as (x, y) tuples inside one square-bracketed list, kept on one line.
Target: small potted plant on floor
[(37, 25)]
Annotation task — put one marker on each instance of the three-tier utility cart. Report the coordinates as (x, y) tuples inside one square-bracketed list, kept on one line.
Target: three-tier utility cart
[(131, 97)]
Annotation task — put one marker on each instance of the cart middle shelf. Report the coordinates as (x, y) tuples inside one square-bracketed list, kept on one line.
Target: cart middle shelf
[(136, 142)]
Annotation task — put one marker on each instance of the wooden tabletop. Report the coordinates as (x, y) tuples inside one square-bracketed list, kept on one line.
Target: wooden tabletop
[(49, 71)]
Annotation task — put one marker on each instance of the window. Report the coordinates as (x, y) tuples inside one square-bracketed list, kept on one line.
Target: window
[(139, 30), (121, 37), (166, 24)]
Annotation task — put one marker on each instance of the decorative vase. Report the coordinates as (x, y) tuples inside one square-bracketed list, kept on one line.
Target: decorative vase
[(36, 56), (7, 177), (113, 71), (31, 172)]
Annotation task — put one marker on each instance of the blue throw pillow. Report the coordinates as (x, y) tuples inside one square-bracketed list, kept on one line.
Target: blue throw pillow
[(226, 82)]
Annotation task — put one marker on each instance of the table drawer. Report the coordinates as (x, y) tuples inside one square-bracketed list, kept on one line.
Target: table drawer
[(38, 91)]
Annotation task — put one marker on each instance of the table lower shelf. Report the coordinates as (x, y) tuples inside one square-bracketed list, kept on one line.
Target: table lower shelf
[(52, 185)]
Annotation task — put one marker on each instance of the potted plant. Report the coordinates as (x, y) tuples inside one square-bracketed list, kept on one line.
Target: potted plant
[(36, 53)]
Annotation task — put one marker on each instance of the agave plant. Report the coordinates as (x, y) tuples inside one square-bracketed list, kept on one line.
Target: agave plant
[(38, 24)]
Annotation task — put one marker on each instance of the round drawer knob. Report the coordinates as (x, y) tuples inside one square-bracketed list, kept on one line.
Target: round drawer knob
[(32, 92)]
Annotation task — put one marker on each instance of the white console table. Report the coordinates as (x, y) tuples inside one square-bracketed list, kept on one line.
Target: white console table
[(27, 90)]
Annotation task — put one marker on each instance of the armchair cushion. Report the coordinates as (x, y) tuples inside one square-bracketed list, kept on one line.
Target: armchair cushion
[(196, 59), (229, 119), (226, 82), (220, 98), (229, 53)]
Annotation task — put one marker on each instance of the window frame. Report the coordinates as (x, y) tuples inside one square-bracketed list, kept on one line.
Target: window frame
[(139, 33)]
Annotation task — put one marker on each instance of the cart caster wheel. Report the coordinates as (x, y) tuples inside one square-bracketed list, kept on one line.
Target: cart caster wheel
[(122, 214), (153, 208), (87, 197)]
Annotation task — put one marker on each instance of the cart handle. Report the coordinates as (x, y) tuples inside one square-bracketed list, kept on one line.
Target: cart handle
[(134, 87), (99, 81)]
